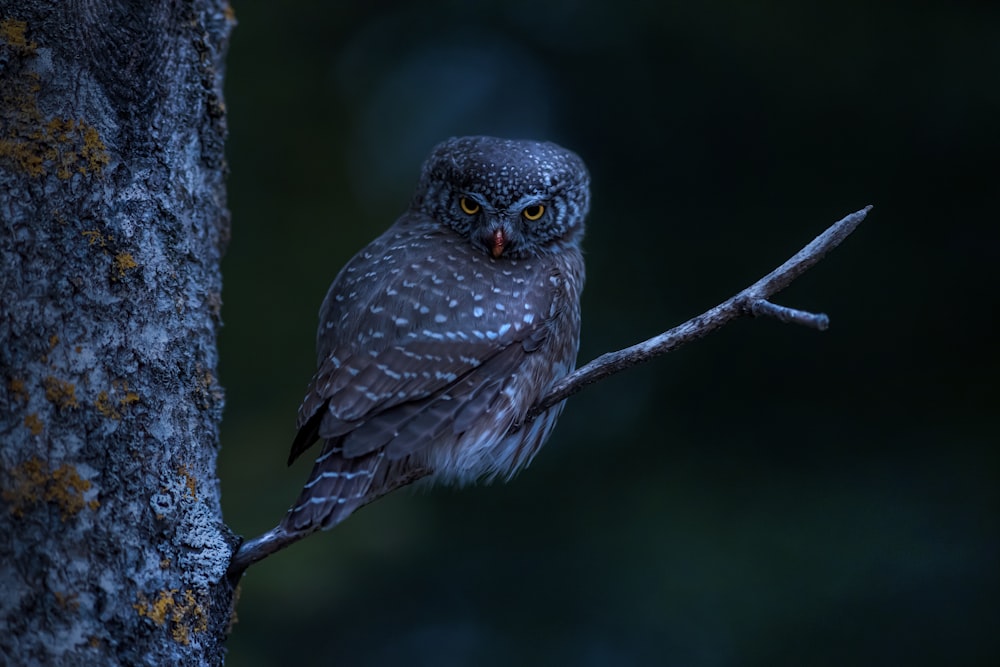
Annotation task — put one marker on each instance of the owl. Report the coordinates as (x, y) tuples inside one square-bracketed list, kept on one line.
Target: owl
[(437, 338)]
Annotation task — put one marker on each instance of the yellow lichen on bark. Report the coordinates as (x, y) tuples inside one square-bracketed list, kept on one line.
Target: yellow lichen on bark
[(32, 482), (124, 262), (185, 615), (26, 485), (67, 600), (121, 263), (60, 392), (30, 142), (14, 34), (189, 481), (128, 397), (108, 407), (66, 490), (93, 151), (33, 423), (94, 237), (17, 388)]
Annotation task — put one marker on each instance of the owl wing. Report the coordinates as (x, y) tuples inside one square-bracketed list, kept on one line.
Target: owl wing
[(403, 386), (409, 393), (369, 434)]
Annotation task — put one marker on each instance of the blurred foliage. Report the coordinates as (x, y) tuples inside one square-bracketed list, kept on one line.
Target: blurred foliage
[(767, 496)]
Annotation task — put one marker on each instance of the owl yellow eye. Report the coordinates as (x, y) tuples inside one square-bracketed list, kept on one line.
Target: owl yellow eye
[(468, 206), (533, 213)]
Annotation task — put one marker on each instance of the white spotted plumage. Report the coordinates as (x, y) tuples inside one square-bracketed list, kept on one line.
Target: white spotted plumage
[(437, 338)]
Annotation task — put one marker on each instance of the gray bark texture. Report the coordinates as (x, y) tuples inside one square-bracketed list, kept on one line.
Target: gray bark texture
[(113, 221)]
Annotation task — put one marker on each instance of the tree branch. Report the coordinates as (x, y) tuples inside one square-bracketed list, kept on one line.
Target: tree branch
[(751, 301), (754, 300), (278, 538)]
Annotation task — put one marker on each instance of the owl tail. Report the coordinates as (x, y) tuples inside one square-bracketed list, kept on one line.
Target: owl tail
[(336, 488), (339, 485)]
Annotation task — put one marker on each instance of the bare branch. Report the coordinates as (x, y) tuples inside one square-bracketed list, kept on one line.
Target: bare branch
[(754, 300), (278, 538), (258, 549), (751, 301)]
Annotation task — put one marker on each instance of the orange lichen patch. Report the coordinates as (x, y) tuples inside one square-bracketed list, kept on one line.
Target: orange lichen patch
[(165, 564), (35, 144), (16, 386), (121, 263), (26, 485), (33, 423), (60, 392), (157, 610), (94, 237), (13, 32), (32, 482), (53, 341), (65, 601), (193, 615), (66, 490), (71, 146), (182, 610), (106, 406), (93, 152), (19, 105), (189, 480), (62, 145), (129, 397), (206, 390), (124, 262)]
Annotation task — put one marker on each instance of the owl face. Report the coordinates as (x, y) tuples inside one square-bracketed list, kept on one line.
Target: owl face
[(509, 198)]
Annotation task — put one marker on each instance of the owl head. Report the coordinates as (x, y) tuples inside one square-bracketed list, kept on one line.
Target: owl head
[(509, 198)]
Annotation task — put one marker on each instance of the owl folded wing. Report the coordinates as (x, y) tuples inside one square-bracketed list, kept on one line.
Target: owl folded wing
[(411, 393)]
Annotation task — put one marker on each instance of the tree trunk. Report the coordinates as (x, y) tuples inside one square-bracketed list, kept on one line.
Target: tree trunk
[(112, 546)]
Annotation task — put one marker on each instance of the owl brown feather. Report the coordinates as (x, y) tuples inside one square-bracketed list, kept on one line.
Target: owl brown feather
[(432, 347)]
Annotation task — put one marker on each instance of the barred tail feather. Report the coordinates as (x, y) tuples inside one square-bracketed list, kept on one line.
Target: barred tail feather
[(339, 485), (336, 487)]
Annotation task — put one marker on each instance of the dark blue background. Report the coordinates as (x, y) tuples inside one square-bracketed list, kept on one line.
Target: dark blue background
[(770, 495)]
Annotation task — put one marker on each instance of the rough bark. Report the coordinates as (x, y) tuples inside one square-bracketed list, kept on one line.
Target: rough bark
[(113, 220)]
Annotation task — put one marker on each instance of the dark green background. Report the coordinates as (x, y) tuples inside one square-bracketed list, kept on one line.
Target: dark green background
[(770, 495)]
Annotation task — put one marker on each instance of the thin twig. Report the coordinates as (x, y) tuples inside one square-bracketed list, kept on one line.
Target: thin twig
[(764, 308), (754, 300)]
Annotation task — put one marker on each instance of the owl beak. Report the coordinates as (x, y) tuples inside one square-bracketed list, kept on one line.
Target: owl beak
[(498, 242)]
